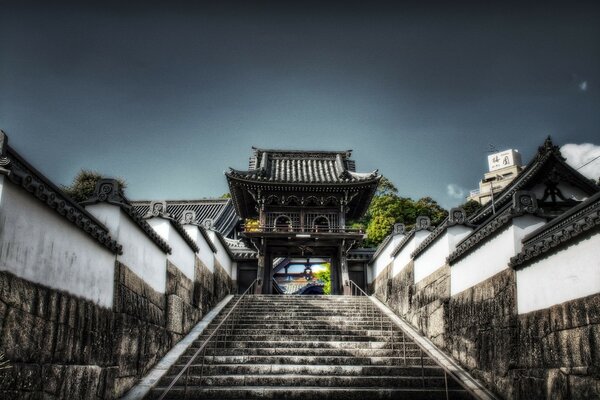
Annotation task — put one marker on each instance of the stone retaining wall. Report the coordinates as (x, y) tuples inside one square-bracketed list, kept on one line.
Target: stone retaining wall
[(64, 347), (424, 305), (547, 354)]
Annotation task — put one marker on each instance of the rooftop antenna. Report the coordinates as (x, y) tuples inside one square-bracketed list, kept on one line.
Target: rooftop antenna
[(492, 148)]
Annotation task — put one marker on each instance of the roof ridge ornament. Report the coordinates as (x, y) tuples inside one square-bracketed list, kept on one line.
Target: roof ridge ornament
[(158, 208), (188, 217), (108, 190), (548, 148), (423, 222), (4, 160), (399, 228), (524, 201), (457, 216), (208, 223)]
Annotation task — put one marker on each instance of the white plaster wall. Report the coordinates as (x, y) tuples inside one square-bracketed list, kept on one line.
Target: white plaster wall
[(140, 253), (523, 226), (493, 256), (182, 256), (43, 247), (234, 271), (569, 274), (205, 254), (222, 257), (403, 258), (384, 259), (484, 262), (434, 257)]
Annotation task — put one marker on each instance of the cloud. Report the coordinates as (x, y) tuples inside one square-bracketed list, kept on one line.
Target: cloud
[(580, 154), (455, 191), (583, 86)]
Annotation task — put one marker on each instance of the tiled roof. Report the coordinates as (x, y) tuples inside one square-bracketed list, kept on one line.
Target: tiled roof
[(523, 202), (21, 173), (240, 250), (547, 157), (423, 223), (220, 211), (289, 166), (109, 191), (361, 254), (456, 216), (560, 232)]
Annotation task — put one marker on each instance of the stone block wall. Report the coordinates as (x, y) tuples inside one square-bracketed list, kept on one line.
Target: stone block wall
[(223, 285), (58, 345), (558, 351), (203, 287), (141, 337), (424, 305), (64, 347), (547, 354), (481, 329)]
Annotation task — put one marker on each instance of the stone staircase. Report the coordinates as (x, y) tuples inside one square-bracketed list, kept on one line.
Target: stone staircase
[(310, 347)]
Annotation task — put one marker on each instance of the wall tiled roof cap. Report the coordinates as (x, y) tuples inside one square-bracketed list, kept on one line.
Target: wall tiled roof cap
[(109, 191), (220, 212), (456, 216), (21, 173), (560, 232), (423, 223), (523, 202), (547, 153), (158, 209)]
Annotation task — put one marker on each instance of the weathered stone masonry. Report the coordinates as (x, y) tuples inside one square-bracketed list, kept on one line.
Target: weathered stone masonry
[(517, 302), (61, 346), (547, 354)]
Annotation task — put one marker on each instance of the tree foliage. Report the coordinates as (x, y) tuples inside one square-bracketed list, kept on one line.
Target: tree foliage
[(388, 208), (84, 183), (471, 207), (325, 277)]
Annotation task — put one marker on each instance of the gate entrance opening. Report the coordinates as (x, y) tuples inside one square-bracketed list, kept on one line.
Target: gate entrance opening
[(296, 205), (302, 276)]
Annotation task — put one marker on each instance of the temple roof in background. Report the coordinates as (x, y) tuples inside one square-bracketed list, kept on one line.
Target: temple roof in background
[(294, 166), (548, 166), (218, 214), (301, 171)]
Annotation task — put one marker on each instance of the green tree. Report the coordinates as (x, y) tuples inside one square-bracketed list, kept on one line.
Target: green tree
[(471, 207), (84, 183), (385, 186), (325, 277), (387, 208)]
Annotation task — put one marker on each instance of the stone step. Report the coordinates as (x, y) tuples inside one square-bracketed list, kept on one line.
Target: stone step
[(334, 344), (283, 351), (309, 313), (317, 360), (274, 369), (269, 324), (321, 315), (311, 392), (338, 337), (315, 380), (310, 331)]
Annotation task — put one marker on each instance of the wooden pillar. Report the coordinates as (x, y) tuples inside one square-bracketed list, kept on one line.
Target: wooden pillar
[(268, 274), (260, 271), (259, 274), (345, 274), (335, 275)]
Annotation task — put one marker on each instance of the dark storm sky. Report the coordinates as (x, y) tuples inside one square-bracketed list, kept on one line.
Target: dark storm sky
[(170, 95)]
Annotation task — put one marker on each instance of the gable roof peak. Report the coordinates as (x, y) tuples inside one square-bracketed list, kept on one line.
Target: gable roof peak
[(548, 147)]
